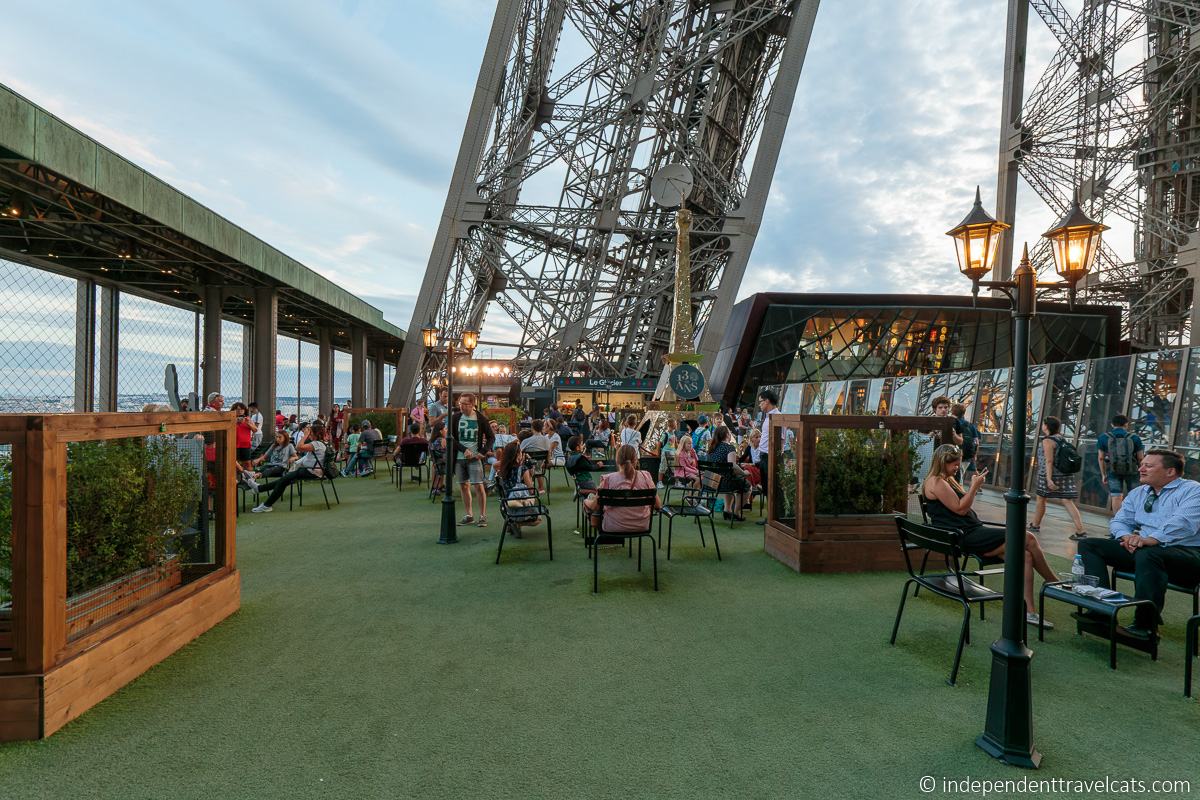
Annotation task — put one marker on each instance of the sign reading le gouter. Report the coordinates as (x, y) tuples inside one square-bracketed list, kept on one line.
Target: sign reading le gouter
[(606, 384)]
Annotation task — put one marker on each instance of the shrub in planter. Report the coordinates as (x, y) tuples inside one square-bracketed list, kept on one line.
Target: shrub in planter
[(127, 503), (384, 422), (861, 471)]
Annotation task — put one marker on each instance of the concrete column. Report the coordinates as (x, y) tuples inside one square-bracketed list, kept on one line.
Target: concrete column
[(106, 363), (324, 372), (380, 362), (213, 299), (266, 310), (358, 367), (85, 345)]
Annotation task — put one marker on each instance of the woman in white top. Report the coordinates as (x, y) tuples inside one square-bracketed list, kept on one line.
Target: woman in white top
[(630, 435), (554, 456)]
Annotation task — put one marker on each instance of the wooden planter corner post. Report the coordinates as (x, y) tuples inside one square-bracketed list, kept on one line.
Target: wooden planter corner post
[(814, 542), (50, 678)]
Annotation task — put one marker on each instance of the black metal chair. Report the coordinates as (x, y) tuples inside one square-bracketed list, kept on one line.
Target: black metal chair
[(413, 456), (380, 449), (514, 514), (1192, 641), (328, 473), (697, 504), (624, 498), (727, 483), (437, 460), (986, 564), (538, 465), (954, 584)]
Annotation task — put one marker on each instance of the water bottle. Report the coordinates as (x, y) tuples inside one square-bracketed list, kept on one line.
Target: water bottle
[(720, 505), (1077, 570)]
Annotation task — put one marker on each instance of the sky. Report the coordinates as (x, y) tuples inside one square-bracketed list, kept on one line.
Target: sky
[(329, 129)]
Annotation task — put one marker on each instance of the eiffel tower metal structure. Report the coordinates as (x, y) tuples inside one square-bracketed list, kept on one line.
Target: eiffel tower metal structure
[(550, 243), (1114, 117)]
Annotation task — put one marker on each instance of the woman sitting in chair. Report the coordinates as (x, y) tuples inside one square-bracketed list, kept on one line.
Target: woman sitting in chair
[(627, 476), (949, 506), (515, 485)]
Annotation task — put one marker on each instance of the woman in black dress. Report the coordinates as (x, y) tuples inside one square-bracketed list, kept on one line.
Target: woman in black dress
[(949, 506)]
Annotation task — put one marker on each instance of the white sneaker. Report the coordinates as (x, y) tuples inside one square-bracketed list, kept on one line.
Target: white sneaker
[(660, 486), (1033, 619), (261, 508), (251, 484)]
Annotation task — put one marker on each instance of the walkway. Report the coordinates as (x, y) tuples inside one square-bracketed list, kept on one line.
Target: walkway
[(367, 661)]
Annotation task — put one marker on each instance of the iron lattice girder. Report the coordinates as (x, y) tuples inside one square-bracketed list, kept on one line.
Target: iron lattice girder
[(549, 219), (1125, 139)]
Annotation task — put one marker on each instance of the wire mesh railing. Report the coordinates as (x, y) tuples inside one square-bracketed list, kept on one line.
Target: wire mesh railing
[(6, 529), (37, 340), (151, 336), (233, 368)]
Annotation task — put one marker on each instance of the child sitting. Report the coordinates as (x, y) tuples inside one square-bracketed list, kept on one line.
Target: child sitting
[(353, 451), (580, 466), (687, 465)]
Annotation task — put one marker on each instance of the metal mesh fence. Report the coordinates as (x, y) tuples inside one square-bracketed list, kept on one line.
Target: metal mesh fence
[(151, 336), (37, 340), (232, 361), (310, 381), (287, 373)]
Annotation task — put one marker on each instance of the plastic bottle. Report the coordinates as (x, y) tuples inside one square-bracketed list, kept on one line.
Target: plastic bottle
[(1077, 571), (720, 504)]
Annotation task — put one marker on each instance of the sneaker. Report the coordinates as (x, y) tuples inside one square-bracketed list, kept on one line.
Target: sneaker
[(660, 486), (466, 520), (482, 522), (261, 508), (1033, 619), (1077, 535), (251, 484), (1033, 528)]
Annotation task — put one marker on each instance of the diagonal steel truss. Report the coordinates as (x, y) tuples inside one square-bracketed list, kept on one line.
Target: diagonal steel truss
[(1116, 117), (550, 242)]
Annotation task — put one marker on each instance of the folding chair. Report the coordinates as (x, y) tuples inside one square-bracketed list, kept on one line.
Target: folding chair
[(513, 514), (697, 504), (413, 455)]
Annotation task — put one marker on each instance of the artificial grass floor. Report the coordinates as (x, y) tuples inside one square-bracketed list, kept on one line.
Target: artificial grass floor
[(368, 661)]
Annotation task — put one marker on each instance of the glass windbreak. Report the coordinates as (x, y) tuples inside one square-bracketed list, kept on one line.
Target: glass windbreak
[(989, 419), (1092, 491), (792, 398), (783, 467), (1188, 433), (829, 396), (931, 386), (1155, 389), (1104, 395), (1066, 395), (1033, 420), (857, 393), (904, 397), (960, 388), (876, 395)]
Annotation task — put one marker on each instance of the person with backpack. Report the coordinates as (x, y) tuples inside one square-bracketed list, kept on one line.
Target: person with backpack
[(1058, 466), (1119, 453), (970, 439)]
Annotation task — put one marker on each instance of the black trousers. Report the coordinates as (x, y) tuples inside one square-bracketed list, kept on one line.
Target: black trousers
[(278, 487), (1153, 568)]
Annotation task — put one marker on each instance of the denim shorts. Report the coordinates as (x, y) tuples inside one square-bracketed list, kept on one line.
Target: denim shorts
[(1122, 484), (468, 471)]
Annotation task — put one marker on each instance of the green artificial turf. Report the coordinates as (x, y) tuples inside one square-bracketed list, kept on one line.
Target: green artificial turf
[(368, 661)]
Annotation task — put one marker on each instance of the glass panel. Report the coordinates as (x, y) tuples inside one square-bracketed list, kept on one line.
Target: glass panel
[(960, 387), (1155, 388), (875, 397), (993, 400), (1105, 395), (783, 500), (931, 387), (1188, 434), (904, 397), (1066, 395), (1033, 405), (827, 397), (856, 398), (1092, 491), (1191, 462), (792, 395)]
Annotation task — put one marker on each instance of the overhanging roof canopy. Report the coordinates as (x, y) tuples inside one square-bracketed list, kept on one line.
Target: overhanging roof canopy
[(74, 206)]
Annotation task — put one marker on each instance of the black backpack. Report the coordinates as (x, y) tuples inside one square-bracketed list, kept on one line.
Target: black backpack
[(1122, 456), (1066, 458), (970, 439)]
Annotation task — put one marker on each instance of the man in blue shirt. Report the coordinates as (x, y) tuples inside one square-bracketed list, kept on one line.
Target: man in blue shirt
[(1119, 452), (1155, 535)]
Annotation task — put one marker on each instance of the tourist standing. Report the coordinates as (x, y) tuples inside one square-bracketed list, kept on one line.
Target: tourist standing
[(1052, 483), (1119, 454), (473, 444)]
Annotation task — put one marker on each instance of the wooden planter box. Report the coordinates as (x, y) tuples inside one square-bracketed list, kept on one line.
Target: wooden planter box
[(65, 656), (824, 542)]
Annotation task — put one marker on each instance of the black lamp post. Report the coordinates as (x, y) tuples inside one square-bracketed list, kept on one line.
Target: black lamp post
[(1008, 734), (429, 336)]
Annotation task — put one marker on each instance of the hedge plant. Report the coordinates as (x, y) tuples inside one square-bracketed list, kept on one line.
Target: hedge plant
[(382, 421), (127, 501), (861, 471)]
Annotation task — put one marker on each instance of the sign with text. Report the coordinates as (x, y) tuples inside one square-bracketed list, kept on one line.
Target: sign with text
[(606, 384)]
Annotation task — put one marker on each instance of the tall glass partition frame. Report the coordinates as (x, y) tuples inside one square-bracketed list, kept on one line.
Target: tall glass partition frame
[(1104, 396), (1187, 431), (1035, 393), (1153, 396), (989, 419)]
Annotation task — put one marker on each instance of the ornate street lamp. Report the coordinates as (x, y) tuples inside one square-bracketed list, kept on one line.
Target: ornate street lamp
[(470, 338), (1008, 733)]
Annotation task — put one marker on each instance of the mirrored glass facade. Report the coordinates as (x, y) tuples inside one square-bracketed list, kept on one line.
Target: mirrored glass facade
[(1158, 391)]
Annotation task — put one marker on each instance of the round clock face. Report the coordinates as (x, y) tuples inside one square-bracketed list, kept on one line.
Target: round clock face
[(671, 185)]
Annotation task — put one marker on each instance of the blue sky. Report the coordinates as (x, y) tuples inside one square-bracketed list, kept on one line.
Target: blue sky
[(330, 129)]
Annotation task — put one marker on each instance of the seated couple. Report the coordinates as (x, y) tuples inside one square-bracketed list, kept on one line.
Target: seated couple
[(949, 506), (309, 464)]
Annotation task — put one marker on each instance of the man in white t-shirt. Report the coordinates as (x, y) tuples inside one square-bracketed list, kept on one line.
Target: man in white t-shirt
[(257, 418), (768, 403)]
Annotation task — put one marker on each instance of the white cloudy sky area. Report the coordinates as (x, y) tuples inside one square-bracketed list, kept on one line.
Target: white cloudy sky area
[(330, 129)]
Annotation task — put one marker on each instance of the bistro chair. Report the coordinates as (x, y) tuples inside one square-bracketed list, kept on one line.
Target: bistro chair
[(624, 498)]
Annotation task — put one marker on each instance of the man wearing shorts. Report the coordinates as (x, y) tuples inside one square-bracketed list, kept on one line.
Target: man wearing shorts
[(473, 443)]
